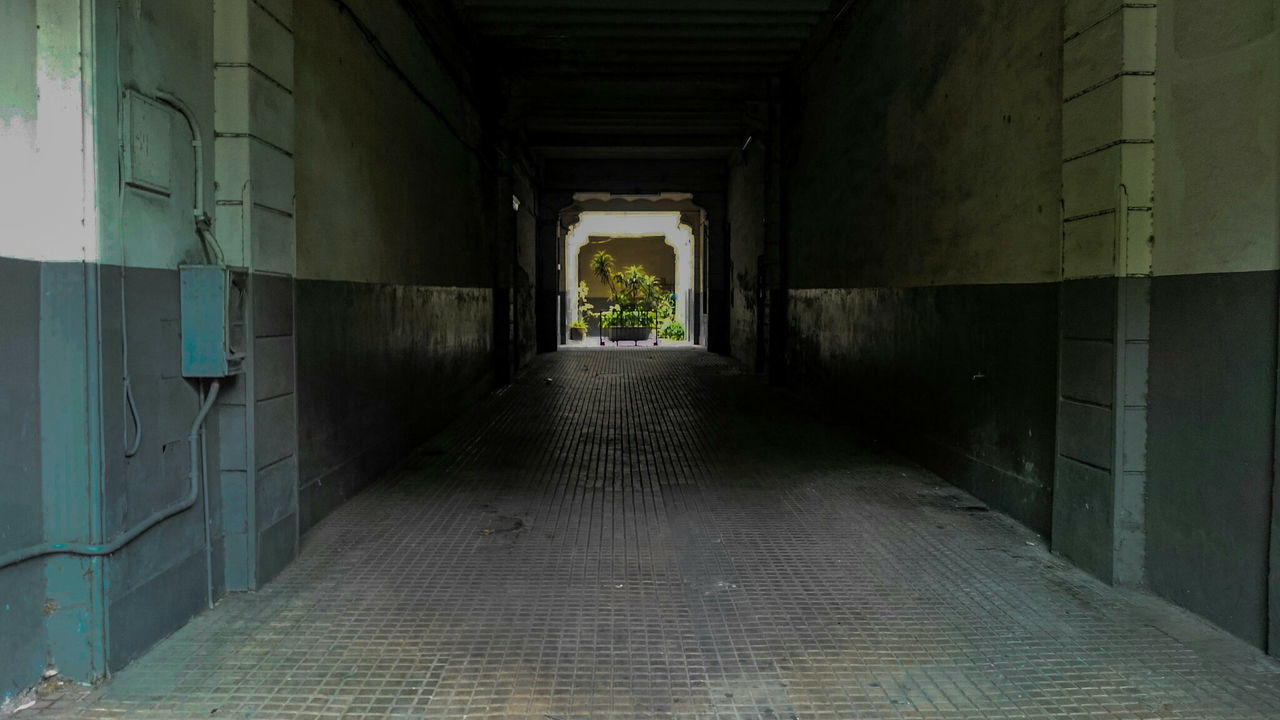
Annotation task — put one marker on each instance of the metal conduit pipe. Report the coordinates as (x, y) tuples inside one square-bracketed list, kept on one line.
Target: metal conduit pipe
[(213, 251), (187, 502)]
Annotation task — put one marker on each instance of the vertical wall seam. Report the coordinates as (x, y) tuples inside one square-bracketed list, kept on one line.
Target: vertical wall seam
[(97, 580)]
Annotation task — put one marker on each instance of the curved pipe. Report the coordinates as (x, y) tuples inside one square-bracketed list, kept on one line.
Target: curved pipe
[(197, 144), (187, 502), (128, 397), (203, 224)]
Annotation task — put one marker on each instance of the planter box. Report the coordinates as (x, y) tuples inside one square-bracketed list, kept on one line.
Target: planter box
[(626, 334), (577, 333)]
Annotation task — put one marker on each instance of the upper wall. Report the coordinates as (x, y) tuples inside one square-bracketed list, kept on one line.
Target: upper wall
[(17, 106), (1210, 538), (46, 200), (652, 253), (388, 171), (397, 208), (943, 165), (923, 236), (162, 47), (1216, 137)]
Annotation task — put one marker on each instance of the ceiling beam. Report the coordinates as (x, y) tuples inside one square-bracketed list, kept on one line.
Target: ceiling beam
[(676, 7), (488, 18), (604, 86), (506, 31), (570, 139), (749, 47)]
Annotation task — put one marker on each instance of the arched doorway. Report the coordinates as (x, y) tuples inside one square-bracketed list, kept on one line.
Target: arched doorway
[(633, 234)]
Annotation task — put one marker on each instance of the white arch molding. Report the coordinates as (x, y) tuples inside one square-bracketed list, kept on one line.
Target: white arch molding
[(675, 233)]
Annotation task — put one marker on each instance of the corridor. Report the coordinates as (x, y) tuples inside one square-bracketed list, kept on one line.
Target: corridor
[(656, 533)]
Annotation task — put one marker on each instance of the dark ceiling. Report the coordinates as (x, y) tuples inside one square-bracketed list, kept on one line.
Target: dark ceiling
[(649, 78)]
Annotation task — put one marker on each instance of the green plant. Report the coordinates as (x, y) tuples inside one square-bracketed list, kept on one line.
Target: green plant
[(584, 307), (579, 324), (617, 317), (665, 307), (602, 267), (636, 299)]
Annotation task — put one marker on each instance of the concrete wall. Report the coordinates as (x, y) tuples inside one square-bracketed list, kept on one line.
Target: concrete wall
[(1107, 147), (156, 583), (524, 274), (746, 245), (113, 271), (922, 234), (1105, 372), (390, 312), (1211, 444), (22, 588), (394, 234), (652, 253), (255, 217), (103, 313)]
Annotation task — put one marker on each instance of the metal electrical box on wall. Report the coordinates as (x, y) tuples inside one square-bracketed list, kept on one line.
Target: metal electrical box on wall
[(210, 304), (148, 143)]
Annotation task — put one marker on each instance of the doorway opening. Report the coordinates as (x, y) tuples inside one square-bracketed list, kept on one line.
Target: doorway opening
[(632, 261)]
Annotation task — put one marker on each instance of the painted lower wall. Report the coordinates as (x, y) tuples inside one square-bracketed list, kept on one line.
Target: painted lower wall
[(746, 245), (1211, 522), (22, 587), (380, 368), (158, 582), (397, 212), (922, 236), (524, 274), (1099, 491), (1211, 445), (409, 353), (960, 377)]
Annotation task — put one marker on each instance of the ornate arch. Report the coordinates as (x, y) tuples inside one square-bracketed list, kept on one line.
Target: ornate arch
[(675, 232)]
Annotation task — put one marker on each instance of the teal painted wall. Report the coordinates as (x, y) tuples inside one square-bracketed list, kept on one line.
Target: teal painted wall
[(22, 588)]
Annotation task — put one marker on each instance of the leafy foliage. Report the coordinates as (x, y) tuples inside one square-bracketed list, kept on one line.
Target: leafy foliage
[(584, 308), (636, 299)]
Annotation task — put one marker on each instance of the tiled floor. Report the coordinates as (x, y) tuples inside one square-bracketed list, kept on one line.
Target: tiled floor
[(653, 534)]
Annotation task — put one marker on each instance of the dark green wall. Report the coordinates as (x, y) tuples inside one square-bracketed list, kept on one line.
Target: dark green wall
[(1211, 445), (157, 582), (380, 368), (398, 222), (22, 636), (961, 377), (923, 240)]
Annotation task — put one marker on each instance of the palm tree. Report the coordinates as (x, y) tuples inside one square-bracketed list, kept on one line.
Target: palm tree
[(633, 281), (602, 267)]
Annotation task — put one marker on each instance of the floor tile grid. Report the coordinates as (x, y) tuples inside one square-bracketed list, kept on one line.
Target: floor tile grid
[(744, 609)]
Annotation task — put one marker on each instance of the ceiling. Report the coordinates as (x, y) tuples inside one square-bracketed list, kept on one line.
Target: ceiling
[(645, 78)]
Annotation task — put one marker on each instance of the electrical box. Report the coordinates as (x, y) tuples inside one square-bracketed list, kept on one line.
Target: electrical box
[(148, 139), (212, 306)]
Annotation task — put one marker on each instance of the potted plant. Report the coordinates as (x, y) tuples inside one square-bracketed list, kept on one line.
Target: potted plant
[(578, 328), (673, 330), (626, 325), (633, 298)]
